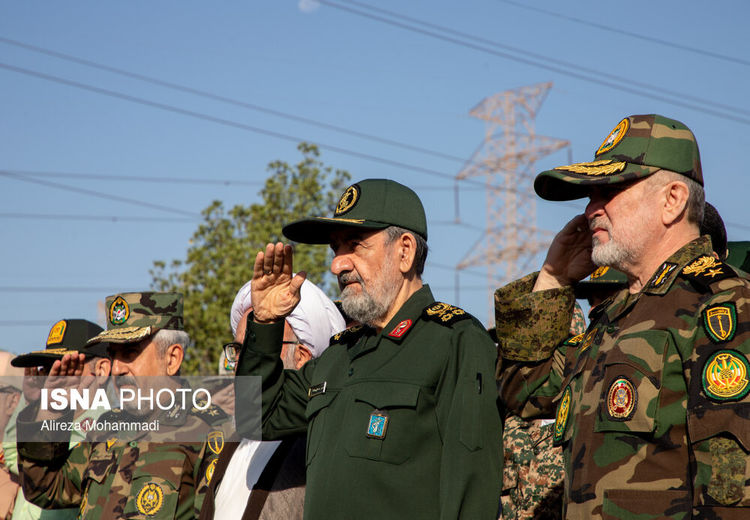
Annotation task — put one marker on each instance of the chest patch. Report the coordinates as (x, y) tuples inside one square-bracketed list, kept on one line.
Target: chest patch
[(720, 322), (150, 499), (622, 399), (378, 425), (725, 376), (561, 418)]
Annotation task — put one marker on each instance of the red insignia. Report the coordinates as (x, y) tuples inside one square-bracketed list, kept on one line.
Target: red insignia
[(621, 399), (400, 329)]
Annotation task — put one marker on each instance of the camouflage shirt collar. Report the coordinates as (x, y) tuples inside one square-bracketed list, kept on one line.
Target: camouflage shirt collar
[(667, 272)]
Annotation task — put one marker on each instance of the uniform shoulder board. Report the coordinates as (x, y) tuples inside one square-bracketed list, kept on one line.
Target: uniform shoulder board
[(444, 313), (347, 334), (706, 270), (574, 340), (212, 414)]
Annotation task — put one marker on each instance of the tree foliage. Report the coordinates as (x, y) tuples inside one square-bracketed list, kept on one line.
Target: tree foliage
[(223, 248)]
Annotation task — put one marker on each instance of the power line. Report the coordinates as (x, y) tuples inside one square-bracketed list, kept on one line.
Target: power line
[(95, 218), (643, 37), (589, 75), (98, 194), (224, 99), (71, 289), (136, 178)]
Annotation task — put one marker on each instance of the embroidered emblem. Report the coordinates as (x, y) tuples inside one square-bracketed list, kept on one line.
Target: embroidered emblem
[(400, 329), (614, 137), (720, 322), (561, 418), (702, 264), (110, 442), (318, 389), (621, 399), (725, 375), (378, 425), (348, 200), (216, 441), (57, 332), (587, 342), (600, 271), (662, 275), (575, 340), (119, 312), (347, 332), (84, 503), (150, 499), (595, 168), (444, 313), (210, 470)]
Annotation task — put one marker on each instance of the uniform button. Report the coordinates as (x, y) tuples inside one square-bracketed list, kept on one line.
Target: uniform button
[(351, 371)]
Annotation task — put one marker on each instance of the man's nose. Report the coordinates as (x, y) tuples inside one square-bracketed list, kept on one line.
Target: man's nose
[(340, 264)]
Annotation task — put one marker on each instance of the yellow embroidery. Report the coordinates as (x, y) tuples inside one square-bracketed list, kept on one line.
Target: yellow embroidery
[(216, 441), (702, 264), (348, 200), (444, 312), (210, 470), (119, 311), (614, 137), (604, 167), (599, 272), (150, 499), (725, 376), (57, 332), (562, 414)]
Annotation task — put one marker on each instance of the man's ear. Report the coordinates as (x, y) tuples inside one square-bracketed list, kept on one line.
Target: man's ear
[(173, 358), (12, 402), (407, 250), (676, 196), (102, 367), (302, 355)]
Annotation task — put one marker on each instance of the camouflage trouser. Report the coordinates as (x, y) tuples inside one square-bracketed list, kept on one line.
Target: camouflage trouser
[(533, 471)]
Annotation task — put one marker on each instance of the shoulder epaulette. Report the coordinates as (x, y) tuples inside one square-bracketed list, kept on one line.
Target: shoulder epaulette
[(574, 340), (444, 314), (706, 270), (212, 415), (347, 334)]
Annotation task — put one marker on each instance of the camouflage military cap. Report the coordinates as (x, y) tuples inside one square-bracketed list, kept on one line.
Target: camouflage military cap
[(604, 279), (65, 337), (132, 317), (637, 147), (368, 204)]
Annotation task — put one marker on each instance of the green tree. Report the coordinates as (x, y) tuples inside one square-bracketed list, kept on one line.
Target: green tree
[(223, 248)]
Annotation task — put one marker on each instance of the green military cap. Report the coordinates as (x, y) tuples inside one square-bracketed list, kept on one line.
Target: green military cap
[(604, 279), (739, 255), (65, 337), (637, 147), (132, 317), (368, 204)]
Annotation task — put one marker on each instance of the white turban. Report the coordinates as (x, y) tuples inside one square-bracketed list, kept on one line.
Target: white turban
[(314, 320)]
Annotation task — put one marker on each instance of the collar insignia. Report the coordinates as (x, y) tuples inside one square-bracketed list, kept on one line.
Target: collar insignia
[(345, 334), (401, 329), (561, 418), (575, 340), (662, 275)]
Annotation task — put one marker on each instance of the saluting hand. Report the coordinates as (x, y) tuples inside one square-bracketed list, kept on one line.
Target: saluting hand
[(569, 256), (275, 292)]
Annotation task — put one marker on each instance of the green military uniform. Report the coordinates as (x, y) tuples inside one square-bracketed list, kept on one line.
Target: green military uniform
[(401, 423), (115, 478), (651, 404)]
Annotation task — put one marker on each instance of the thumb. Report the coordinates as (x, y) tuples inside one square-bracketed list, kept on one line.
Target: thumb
[(297, 282)]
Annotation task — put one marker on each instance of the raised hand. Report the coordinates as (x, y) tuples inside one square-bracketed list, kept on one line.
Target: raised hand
[(569, 256), (275, 291)]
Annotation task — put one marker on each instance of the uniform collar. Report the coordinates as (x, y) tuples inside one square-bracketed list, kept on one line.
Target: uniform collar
[(402, 323)]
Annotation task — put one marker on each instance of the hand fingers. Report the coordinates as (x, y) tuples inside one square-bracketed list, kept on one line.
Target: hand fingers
[(297, 281), (55, 369), (278, 257), (268, 259), (287, 268), (258, 265)]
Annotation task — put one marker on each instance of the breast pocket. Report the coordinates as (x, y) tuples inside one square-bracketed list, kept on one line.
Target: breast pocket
[(154, 490), (383, 423), (629, 400), (316, 413)]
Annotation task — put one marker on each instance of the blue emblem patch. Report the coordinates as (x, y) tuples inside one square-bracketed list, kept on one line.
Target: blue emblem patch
[(378, 425)]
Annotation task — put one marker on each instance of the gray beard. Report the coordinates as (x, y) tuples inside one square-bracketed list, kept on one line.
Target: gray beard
[(610, 254), (368, 307)]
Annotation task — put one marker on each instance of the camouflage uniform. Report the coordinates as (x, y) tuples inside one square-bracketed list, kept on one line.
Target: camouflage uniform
[(118, 479), (532, 466), (629, 446)]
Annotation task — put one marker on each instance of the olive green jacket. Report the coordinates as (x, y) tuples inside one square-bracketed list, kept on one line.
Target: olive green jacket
[(401, 424)]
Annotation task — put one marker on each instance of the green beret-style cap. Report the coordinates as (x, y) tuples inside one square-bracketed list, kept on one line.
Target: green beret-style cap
[(65, 337), (637, 147), (368, 204), (132, 317)]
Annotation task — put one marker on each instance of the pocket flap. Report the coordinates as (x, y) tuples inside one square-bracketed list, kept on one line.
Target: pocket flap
[(727, 418), (317, 403), (387, 395)]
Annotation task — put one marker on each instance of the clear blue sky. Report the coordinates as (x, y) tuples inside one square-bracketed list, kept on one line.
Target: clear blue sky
[(324, 63)]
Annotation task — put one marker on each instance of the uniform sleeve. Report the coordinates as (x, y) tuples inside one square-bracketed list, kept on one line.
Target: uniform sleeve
[(717, 368), (471, 462), (51, 473), (283, 392), (531, 329)]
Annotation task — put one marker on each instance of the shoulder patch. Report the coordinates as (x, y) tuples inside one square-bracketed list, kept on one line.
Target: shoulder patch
[(720, 322), (212, 415), (444, 313), (575, 340), (347, 334), (725, 376), (706, 270)]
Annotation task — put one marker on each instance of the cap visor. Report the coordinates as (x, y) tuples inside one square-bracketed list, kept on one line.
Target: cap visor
[(39, 358), (317, 230), (121, 335), (561, 184)]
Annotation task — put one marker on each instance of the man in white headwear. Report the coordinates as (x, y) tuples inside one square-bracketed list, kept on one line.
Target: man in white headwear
[(266, 479)]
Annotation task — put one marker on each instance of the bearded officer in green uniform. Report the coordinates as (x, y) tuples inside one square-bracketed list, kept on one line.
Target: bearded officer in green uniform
[(653, 403), (134, 477), (399, 411)]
